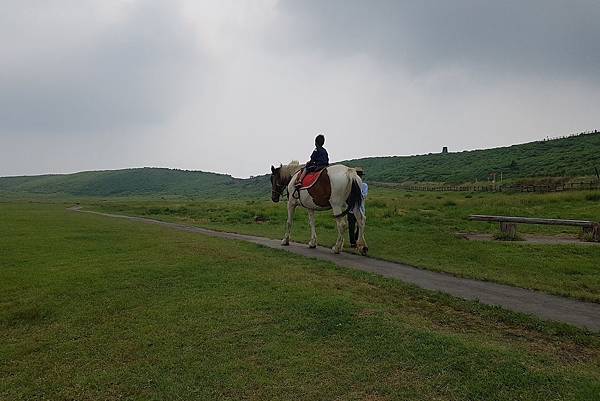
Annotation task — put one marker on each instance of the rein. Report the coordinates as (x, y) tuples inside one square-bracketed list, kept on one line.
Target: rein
[(280, 192), (296, 195)]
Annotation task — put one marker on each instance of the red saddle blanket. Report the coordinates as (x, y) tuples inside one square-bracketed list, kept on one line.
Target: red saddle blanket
[(310, 179)]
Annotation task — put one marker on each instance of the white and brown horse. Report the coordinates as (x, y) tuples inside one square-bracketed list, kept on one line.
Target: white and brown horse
[(338, 188)]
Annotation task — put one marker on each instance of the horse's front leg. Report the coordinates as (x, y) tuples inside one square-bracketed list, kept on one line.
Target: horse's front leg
[(290, 220), (313, 231), (342, 225)]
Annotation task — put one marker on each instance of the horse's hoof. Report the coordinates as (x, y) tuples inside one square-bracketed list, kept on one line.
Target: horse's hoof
[(364, 250), (335, 250), (312, 246), (285, 242)]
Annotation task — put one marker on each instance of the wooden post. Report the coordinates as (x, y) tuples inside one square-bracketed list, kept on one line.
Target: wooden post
[(509, 230)]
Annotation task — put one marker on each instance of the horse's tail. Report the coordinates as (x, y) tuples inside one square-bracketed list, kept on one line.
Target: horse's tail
[(355, 198)]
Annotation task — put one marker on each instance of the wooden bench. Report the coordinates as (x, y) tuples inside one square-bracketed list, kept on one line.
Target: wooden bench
[(508, 224)]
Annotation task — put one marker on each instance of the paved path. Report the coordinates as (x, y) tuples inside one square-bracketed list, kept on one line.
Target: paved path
[(549, 307)]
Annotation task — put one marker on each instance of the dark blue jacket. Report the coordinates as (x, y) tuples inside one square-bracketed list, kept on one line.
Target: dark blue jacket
[(318, 159)]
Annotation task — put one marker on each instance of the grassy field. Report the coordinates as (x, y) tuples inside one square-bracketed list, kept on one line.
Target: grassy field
[(95, 308), (420, 229)]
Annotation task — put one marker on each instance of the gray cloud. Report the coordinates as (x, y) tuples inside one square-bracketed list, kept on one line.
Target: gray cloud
[(132, 70), (549, 38), (236, 86)]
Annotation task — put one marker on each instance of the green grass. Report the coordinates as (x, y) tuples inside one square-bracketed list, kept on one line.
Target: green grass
[(98, 308), (420, 229)]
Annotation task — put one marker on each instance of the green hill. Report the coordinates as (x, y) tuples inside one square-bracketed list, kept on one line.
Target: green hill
[(570, 156), (135, 182)]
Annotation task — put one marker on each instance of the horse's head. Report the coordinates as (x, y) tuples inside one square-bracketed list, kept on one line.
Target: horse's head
[(278, 184)]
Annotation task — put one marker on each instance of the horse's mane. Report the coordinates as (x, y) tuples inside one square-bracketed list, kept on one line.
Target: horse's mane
[(288, 170)]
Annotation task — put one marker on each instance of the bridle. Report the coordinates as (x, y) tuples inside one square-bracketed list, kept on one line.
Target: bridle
[(279, 189), (279, 193)]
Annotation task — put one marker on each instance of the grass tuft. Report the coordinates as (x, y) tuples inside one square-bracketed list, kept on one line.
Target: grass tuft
[(594, 197), (500, 236)]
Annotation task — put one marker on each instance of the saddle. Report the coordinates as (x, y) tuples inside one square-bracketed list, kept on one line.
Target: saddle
[(310, 179)]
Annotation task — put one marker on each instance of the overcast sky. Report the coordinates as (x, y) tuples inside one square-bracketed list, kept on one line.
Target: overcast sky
[(234, 86)]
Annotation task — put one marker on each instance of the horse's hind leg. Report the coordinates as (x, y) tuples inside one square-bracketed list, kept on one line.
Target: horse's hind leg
[(313, 230), (361, 244), (288, 226), (341, 224)]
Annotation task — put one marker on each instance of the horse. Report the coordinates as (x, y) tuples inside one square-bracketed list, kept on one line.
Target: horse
[(338, 189)]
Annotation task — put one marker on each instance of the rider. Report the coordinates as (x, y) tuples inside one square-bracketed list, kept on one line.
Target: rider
[(319, 159)]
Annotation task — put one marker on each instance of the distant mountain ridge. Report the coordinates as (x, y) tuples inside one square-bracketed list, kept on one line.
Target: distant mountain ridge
[(134, 182), (570, 156)]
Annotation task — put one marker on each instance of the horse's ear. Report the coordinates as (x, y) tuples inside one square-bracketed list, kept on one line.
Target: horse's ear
[(272, 169)]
